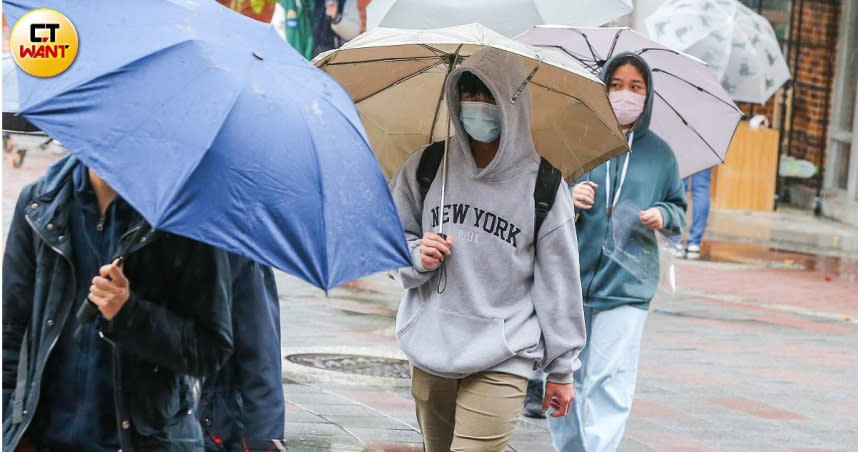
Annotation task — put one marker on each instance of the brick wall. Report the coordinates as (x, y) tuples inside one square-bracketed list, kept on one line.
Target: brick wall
[(816, 41)]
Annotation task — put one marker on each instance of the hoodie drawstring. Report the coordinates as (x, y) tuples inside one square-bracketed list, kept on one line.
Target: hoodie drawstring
[(609, 206)]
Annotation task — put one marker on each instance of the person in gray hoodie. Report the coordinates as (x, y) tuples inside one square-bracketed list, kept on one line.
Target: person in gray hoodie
[(615, 300), (478, 317)]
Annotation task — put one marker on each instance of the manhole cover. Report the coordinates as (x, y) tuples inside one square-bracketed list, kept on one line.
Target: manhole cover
[(373, 366)]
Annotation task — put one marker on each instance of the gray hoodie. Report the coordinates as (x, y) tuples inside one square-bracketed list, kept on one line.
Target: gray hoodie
[(506, 305)]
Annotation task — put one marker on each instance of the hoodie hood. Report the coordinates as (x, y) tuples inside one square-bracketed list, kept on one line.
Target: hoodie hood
[(504, 74), (641, 127)]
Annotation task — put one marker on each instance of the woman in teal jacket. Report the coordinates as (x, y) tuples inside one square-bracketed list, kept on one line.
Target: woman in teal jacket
[(615, 300)]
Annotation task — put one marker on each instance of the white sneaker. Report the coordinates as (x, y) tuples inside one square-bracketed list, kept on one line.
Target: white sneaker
[(692, 252), (679, 251)]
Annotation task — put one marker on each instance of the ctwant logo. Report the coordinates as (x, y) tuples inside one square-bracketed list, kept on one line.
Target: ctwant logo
[(44, 42)]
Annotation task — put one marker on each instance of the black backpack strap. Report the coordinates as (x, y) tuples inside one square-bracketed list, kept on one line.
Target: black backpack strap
[(430, 161), (548, 180)]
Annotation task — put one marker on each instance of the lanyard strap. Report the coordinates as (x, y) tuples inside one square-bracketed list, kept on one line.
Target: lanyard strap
[(609, 205)]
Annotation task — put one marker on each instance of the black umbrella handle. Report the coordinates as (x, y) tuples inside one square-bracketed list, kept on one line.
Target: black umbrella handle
[(88, 310)]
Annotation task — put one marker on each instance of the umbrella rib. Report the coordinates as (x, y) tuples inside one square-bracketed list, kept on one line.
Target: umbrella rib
[(453, 61), (439, 52), (689, 126), (326, 276), (382, 60), (593, 67), (208, 146), (701, 89), (593, 52), (648, 49), (403, 79), (547, 88), (614, 44)]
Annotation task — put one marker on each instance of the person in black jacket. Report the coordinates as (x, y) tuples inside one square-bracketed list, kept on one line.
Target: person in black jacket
[(242, 406), (334, 23), (131, 378)]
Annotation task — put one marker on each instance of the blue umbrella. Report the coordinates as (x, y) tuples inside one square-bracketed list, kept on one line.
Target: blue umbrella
[(214, 128)]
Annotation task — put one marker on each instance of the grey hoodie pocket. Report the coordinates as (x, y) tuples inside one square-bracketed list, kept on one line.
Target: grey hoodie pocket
[(454, 343)]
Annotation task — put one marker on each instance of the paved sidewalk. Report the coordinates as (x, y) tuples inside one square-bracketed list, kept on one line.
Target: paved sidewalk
[(717, 372), (789, 228), (755, 352)]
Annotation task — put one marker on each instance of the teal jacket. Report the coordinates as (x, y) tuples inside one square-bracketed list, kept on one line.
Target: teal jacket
[(652, 180)]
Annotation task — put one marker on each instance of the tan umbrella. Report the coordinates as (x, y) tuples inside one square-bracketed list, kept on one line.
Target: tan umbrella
[(396, 78)]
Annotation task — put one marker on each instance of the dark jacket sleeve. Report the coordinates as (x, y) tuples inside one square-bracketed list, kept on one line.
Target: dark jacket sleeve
[(256, 325), (19, 280), (195, 344)]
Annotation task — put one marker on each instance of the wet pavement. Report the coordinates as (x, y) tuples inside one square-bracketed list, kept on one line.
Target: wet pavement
[(742, 358), (755, 351), (788, 229), (834, 266)]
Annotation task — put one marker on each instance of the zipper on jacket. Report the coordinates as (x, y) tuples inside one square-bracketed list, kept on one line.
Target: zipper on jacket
[(118, 399), (38, 388), (117, 373), (116, 370), (100, 225)]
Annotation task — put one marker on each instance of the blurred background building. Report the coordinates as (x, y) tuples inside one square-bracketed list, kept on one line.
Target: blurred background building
[(816, 113)]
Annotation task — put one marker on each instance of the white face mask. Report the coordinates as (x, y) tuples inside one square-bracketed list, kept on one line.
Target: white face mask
[(481, 121), (628, 106)]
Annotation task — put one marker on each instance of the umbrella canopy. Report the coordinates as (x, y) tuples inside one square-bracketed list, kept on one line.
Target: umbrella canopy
[(508, 17), (739, 45), (396, 78), (690, 109), (214, 128), (12, 121)]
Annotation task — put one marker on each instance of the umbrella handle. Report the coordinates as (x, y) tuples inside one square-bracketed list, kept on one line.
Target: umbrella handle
[(88, 310), (444, 177)]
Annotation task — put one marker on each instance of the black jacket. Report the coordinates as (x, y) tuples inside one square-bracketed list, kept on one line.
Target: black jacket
[(242, 405), (324, 38), (175, 328)]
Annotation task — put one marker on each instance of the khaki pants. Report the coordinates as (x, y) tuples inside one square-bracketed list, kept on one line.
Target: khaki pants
[(477, 413)]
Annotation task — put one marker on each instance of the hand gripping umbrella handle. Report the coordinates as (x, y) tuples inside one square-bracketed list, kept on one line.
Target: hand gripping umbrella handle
[(88, 310)]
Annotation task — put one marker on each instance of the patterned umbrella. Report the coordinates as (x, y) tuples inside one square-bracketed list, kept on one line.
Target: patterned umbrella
[(739, 45)]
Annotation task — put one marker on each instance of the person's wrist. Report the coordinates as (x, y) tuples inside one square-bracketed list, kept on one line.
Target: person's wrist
[(417, 260), (561, 379)]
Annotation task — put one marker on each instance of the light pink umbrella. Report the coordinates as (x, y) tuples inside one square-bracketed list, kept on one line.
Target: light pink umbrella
[(691, 111)]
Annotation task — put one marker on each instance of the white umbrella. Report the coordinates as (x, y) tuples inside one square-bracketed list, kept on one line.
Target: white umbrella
[(739, 45), (396, 78), (691, 111), (508, 17)]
